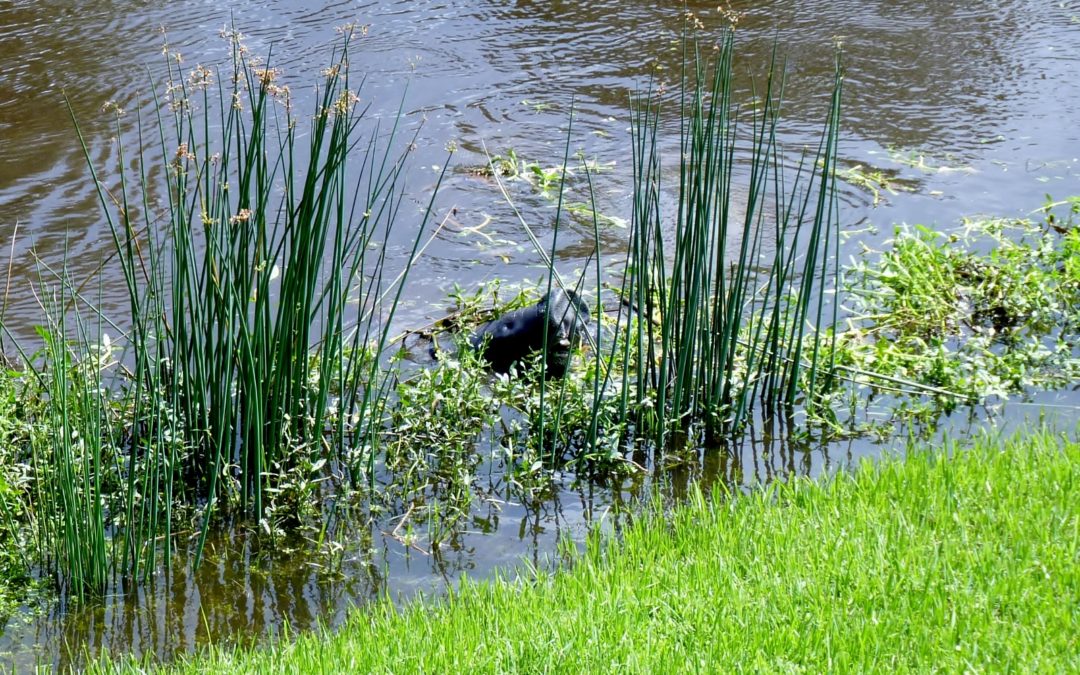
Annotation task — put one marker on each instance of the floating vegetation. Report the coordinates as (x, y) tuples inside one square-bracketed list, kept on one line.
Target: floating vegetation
[(538, 106), (989, 310), (546, 180), (585, 211), (874, 181), (927, 163)]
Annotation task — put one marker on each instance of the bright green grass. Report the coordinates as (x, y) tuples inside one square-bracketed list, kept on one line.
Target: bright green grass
[(968, 563)]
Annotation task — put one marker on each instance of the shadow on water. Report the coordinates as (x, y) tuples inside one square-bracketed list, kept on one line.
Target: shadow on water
[(970, 105)]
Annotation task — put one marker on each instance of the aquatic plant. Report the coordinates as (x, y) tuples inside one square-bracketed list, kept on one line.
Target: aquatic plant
[(432, 445), (71, 455), (701, 331), (718, 319), (990, 309), (255, 251)]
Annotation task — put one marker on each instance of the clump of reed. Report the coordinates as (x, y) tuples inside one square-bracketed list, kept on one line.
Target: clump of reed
[(71, 454), (734, 308), (723, 305), (254, 247)]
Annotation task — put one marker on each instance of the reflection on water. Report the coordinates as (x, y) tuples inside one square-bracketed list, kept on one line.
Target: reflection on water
[(988, 93)]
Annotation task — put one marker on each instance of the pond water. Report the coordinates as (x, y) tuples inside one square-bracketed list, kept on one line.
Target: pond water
[(969, 107)]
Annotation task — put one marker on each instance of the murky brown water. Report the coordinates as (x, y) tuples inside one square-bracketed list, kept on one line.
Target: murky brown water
[(988, 94)]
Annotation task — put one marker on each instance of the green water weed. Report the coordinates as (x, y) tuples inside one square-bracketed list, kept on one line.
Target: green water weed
[(989, 310)]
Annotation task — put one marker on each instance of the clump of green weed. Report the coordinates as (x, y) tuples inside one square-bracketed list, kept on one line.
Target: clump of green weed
[(16, 540), (439, 415), (575, 424), (990, 309), (433, 442)]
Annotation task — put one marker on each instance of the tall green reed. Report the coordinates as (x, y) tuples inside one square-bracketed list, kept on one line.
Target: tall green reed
[(728, 289), (720, 319), (254, 256), (70, 454)]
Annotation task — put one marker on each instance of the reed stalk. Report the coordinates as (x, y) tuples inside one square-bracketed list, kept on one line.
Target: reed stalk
[(254, 258), (718, 319)]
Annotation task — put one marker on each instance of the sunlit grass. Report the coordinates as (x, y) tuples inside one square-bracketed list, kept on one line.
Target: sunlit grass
[(951, 559)]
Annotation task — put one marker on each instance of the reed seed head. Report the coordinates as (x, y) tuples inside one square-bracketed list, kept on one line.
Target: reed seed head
[(200, 77), (346, 101), (242, 217), (111, 106), (352, 28), (267, 75)]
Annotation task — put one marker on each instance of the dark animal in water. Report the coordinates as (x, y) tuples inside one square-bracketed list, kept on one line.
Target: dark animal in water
[(513, 336)]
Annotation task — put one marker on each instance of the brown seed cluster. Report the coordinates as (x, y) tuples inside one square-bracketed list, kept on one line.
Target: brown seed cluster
[(242, 217), (200, 77)]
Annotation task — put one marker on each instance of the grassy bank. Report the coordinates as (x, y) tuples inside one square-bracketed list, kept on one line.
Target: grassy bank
[(916, 564)]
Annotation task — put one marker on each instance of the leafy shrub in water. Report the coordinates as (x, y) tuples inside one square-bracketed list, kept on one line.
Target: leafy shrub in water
[(435, 425), (993, 309)]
